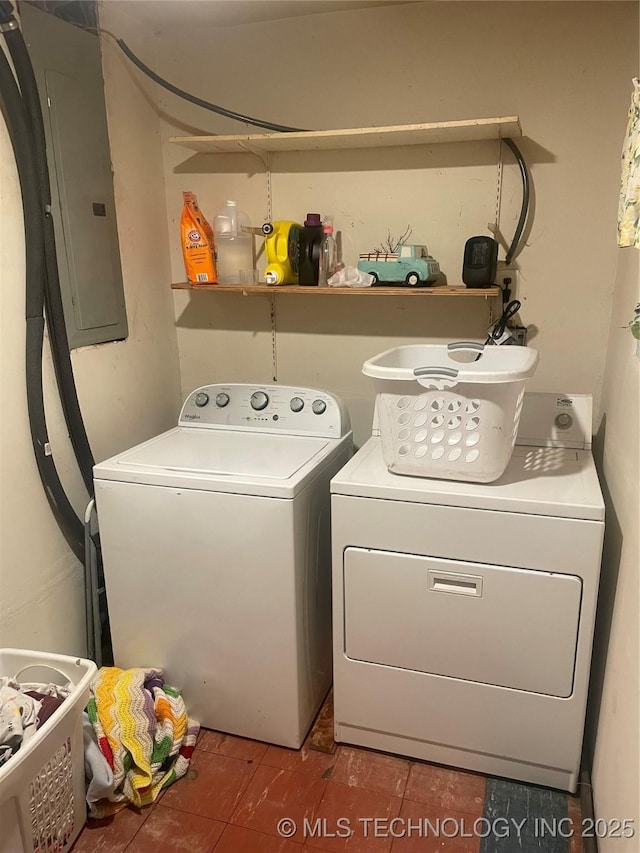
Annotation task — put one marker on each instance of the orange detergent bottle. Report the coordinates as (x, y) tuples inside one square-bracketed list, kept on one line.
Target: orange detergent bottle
[(198, 244)]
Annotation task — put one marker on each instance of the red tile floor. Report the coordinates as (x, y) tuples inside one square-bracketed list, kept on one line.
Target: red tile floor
[(238, 790)]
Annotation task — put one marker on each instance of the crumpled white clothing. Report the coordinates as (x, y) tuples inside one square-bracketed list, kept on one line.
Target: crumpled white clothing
[(58, 690), (18, 720), (98, 774)]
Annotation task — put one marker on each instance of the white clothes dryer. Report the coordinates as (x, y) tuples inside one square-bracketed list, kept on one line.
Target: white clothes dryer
[(463, 613), (217, 555)]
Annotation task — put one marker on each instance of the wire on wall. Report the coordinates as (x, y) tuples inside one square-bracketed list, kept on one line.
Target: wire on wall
[(524, 210), (207, 105)]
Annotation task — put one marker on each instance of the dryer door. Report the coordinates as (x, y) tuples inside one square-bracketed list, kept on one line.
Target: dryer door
[(503, 626)]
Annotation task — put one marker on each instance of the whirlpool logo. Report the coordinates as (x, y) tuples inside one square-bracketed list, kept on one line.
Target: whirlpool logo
[(564, 402)]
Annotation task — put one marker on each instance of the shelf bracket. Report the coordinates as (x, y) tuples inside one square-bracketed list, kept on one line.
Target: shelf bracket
[(494, 226), (253, 149)]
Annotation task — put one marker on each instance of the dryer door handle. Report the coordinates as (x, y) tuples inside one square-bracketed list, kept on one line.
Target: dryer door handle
[(455, 583)]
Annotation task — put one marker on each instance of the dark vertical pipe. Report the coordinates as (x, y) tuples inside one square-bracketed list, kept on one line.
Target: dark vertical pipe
[(17, 125), (53, 299)]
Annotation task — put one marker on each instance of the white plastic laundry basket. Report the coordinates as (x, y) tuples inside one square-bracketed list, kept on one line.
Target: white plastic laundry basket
[(42, 793), (450, 411)]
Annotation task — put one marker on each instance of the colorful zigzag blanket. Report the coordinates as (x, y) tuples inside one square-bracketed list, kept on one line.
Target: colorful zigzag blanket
[(143, 731)]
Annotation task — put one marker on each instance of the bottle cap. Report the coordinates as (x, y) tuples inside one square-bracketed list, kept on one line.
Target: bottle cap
[(313, 219)]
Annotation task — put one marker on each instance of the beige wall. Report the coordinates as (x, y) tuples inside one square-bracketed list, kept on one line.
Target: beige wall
[(615, 694), (613, 734), (128, 390), (563, 68)]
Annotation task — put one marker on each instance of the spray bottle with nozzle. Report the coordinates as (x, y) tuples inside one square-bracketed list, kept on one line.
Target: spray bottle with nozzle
[(281, 246)]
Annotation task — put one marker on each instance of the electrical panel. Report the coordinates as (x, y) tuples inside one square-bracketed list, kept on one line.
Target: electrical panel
[(68, 69)]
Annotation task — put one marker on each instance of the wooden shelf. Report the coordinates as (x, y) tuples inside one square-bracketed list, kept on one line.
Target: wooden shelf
[(361, 137), (283, 289)]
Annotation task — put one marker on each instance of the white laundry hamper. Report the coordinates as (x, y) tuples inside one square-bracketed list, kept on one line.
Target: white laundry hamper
[(450, 411), (42, 786)]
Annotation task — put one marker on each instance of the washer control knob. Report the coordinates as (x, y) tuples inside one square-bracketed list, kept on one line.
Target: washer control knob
[(297, 404), (319, 407), (202, 398), (259, 401), (222, 400), (564, 421)]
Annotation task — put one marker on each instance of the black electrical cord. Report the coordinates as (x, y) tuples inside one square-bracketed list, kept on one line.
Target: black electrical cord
[(19, 132), (53, 298), (198, 101), (501, 326), (525, 199)]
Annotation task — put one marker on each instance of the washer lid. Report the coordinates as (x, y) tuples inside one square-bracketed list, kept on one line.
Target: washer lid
[(241, 462), (551, 481)]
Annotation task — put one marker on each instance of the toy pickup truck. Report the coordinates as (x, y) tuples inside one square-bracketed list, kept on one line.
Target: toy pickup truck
[(412, 265)]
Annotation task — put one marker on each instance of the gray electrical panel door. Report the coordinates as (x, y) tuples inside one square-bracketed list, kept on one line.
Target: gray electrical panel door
[(68, 71)]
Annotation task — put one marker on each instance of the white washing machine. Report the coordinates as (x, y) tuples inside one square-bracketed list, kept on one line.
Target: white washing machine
[(216, 547), (463, 613)]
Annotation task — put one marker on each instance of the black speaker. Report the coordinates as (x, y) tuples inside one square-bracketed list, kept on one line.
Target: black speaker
[(480, 262)]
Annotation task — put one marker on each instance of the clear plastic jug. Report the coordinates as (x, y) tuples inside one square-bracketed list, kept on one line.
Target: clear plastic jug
[(234, 247)]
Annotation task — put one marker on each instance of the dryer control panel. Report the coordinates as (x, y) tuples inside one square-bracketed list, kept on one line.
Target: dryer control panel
[(556, 420), (285, 409)]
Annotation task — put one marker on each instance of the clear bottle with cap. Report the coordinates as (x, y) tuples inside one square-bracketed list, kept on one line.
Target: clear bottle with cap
[(328, 253), (234, 247)]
